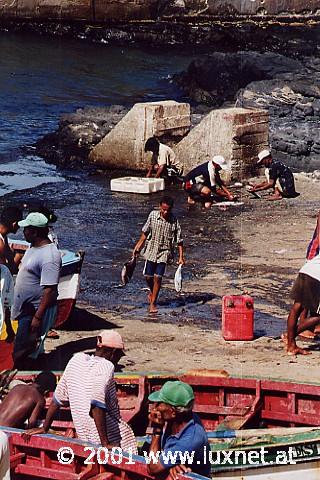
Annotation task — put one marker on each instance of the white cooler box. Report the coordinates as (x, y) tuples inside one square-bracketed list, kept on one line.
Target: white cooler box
[(137, 184)]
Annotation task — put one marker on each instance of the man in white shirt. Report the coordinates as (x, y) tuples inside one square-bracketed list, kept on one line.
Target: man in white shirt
[(306, 295), (88, 386), (163, 161)]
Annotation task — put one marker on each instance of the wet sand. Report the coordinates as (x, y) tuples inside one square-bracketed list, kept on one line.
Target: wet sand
[(257, 249)]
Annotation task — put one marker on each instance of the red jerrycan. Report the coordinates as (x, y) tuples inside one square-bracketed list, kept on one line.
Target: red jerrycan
[(237, 317)]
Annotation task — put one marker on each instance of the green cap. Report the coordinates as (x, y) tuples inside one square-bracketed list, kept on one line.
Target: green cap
[(178, 394), (34, 219)]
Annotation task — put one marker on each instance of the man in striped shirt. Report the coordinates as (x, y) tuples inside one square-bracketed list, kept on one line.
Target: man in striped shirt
[(88, 386)]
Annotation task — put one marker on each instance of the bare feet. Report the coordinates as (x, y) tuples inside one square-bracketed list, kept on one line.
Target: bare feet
[(293, 350), (53, 334), (274, 197), (307, 334), (297, 351), (153, 308), (191, 201)]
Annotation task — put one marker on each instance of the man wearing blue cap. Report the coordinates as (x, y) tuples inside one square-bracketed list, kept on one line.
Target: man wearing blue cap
[(183, 435), (36, 286)]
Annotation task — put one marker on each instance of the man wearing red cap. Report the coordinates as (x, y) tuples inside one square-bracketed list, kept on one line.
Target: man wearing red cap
[(88, 385)]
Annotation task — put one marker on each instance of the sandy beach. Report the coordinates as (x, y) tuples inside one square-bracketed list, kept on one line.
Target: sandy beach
[(265, 249)]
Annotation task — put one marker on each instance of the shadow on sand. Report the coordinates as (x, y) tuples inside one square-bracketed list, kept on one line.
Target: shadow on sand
[(57, 359)]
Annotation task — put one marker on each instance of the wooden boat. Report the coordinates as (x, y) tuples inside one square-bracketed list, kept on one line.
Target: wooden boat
[(223, 403), (289, 413), (259, 457), (69, 283)]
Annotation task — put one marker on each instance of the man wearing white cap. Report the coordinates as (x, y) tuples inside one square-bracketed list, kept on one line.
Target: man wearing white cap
[(36, 288), (88, 386), (204, 181), (279, 177)]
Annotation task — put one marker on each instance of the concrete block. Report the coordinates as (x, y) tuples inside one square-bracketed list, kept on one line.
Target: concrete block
[(123, 147), (137, 184), (236, 133)]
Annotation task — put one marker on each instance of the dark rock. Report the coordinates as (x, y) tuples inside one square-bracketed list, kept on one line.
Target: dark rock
[(77, 134), (215, 78)]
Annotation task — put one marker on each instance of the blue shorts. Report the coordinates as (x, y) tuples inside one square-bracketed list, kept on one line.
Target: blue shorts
[(154, 268)]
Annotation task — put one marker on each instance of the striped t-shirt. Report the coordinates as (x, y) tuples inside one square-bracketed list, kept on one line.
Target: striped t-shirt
[(88, 381)]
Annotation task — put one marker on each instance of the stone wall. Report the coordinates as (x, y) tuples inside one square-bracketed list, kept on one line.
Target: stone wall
[(236, 133), (123, 147), (121, 11)]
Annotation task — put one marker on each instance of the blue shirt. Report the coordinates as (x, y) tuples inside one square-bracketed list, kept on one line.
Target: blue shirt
[(193, 439)]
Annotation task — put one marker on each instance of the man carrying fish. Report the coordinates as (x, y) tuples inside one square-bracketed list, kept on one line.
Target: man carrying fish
[(160, 233)]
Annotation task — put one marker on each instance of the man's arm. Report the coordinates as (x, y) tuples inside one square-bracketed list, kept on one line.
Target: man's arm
[(49, 297), (35, 415), (156, 468), (52, 410), (181, 260), (150, 170), (7, 257), (223, 187), (99, 417), (158, 423), (159, 171), (263, 186), (139, 244)]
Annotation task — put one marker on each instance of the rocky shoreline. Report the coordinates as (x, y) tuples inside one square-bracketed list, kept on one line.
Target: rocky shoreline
[(289, 88)]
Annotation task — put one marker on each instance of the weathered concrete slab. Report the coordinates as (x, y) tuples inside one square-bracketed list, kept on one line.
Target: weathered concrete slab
[(124, 10), (47, 9), (267, 7), (123, 147), (236, 133)]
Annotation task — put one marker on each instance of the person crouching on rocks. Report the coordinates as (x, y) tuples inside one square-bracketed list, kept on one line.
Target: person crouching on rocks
[(163, 162), (279, 177), (204, 182)]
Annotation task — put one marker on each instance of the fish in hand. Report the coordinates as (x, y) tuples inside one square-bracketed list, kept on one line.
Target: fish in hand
[(127, 270)]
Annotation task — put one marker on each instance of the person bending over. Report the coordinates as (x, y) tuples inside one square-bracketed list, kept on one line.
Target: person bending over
[(279, 177), (163, 162), (25, 403), (204, 182)]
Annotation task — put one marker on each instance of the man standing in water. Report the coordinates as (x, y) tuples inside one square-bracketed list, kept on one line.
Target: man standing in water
[(161, 232)]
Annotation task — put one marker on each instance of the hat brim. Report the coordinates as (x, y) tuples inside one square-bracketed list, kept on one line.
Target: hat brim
[(24, 223), (155, 396)]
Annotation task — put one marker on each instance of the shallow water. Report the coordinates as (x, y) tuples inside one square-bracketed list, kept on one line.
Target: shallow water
[(39, 80)]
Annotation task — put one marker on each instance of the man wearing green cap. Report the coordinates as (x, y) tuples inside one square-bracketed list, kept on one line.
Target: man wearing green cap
[(183, 435), (36, 286)]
